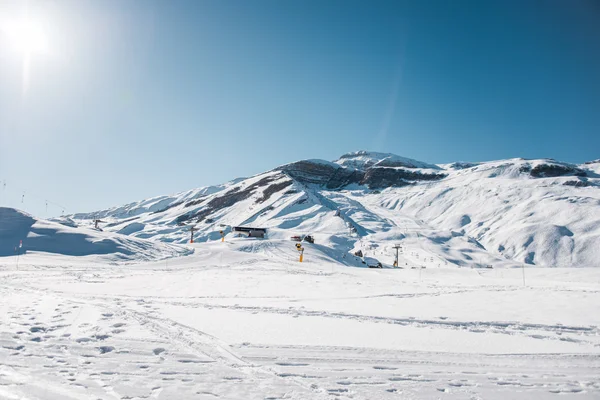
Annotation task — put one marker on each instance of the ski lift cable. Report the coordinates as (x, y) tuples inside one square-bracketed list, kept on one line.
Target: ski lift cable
[(24, 191)]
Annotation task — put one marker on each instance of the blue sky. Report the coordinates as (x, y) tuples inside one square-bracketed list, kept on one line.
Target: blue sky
[(132, 99)]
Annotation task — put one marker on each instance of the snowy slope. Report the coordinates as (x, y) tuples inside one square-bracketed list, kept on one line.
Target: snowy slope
[(51, 237), (368, 159), (544, 221), (540, 212)]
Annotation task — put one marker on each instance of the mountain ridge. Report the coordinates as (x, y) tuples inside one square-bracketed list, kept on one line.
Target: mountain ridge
[(459, 208)]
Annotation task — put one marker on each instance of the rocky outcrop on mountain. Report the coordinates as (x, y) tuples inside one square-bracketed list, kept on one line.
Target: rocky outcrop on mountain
[(269, 184), (329, 175), (379, 177), (553, 170), (578, 183), (462, 165), (373, 174)]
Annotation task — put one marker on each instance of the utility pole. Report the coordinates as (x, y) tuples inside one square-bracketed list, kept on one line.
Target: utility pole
[(96, 222), (397, 247), (192, 230)]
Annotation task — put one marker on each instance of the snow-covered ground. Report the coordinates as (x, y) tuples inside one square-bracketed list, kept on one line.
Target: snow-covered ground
[(133, 311), (245, 320)]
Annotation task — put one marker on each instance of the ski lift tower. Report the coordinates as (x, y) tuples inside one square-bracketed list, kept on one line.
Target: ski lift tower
[(96, 222), (397, 247)]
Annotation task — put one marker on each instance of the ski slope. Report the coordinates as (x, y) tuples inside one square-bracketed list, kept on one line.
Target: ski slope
[(245, 320)]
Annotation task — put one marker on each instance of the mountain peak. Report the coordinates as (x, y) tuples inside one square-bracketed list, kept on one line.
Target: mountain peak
[(364, 159)]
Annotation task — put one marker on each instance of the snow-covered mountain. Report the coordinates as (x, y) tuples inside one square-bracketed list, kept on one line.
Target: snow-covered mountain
[(541, 212)]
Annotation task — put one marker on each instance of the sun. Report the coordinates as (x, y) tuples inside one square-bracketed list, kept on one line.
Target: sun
[(25, 36)]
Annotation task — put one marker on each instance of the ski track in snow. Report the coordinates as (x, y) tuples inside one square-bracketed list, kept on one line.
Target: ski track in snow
[(255, 324)]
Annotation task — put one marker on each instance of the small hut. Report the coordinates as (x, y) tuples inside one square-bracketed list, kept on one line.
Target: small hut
[(250, 231)]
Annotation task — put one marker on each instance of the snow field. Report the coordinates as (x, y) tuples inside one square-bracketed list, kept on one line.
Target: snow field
[(244, 320)]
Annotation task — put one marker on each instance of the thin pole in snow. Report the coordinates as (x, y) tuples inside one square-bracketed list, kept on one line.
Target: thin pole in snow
[(523, 268)]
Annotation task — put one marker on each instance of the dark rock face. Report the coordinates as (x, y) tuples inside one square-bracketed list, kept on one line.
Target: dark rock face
[(378, 178), (577, 183), (329, 175), (273, 188), (463, 165), (310, 172), (553, 170), (337, 177), (343, 177), (525, 169)]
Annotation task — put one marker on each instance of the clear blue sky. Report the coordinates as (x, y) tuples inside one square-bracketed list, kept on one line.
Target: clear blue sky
[(132, 99)]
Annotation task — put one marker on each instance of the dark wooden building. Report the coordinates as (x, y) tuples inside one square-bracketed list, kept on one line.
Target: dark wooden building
[(250, 231)]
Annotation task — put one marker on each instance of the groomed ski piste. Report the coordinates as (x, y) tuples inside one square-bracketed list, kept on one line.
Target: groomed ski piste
[(497, 297)]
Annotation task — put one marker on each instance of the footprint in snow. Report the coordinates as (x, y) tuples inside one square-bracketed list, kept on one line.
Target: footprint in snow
[(208, 394), (106, 349), (291, 364)]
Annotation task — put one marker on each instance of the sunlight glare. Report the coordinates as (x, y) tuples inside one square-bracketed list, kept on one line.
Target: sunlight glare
[(26, 36)]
